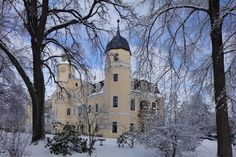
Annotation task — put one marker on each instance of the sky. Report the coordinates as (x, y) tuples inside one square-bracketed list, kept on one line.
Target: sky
[(92, 57)]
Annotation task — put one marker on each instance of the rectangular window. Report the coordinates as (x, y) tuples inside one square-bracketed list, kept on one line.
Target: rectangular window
[(131, 127), (114, 127), (115, 77), (69, 75), (143, 105), (154, 106), (115, 101), (89, 109), (116, 57), (68, 112), (96, 108), (132, 105), (142, 127)]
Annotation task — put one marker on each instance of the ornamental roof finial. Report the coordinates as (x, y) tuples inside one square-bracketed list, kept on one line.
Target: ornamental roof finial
[(118, 27)]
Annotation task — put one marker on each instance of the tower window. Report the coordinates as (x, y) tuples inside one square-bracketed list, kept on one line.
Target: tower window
[(116, 57), (68, 112), (132, 105), (114, 127), (76, 84), (115, 101), (69, 75), (96, 108), (115, 77)]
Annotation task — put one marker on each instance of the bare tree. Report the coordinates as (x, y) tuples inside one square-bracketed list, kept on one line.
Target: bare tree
[(187, 31), (13, 144), (93, 118), (13, 100), (46, 24)]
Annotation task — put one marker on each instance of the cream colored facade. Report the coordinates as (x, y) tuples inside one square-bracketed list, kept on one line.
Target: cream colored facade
[(125, 100)]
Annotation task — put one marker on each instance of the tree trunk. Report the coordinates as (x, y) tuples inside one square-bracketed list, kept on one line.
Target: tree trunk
[(222, 123), (37, 22), (38, 105)]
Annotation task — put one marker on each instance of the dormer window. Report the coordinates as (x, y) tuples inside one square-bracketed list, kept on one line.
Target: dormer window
[(116, 57)]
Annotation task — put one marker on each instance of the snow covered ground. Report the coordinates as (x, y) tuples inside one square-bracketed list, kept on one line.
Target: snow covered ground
[(208, 149), (110, 149)]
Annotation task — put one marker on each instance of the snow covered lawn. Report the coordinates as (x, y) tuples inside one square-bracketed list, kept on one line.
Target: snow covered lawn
[(208, 149), (110, 149)]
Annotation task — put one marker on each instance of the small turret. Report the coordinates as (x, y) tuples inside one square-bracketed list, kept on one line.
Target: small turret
[(64, 70)]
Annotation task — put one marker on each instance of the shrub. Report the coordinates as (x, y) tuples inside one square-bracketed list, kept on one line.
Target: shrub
[(66, 140), (126, 138)]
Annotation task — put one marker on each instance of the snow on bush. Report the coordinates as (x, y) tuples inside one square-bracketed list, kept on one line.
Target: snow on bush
[(66, 140), (12, 144)]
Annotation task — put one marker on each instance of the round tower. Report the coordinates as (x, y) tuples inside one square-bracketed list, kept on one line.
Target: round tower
[(117, 81)]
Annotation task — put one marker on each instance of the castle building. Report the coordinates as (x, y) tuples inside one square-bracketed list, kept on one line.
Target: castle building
[(114, 105)]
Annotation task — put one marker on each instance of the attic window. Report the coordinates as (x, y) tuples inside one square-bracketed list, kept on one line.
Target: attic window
[(116, 57)]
